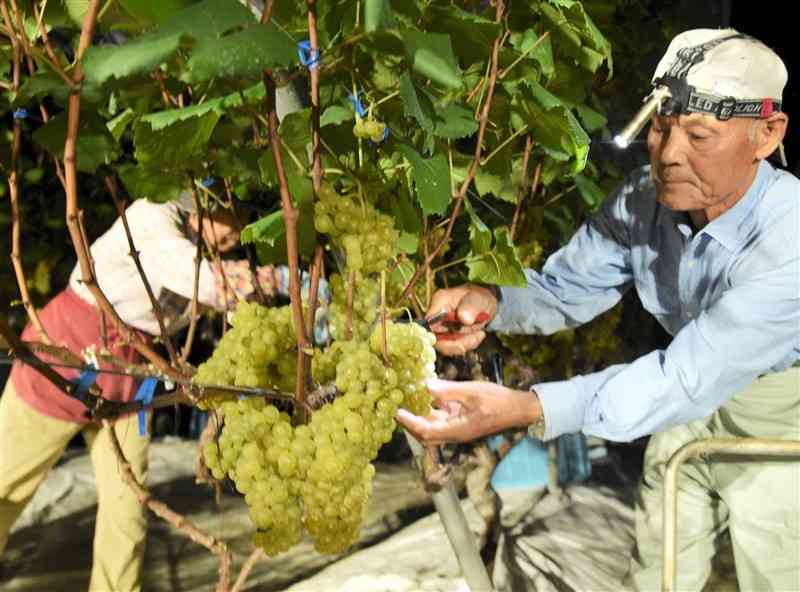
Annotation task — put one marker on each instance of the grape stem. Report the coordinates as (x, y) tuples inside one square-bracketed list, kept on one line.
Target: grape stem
[(111, 185), (534, 187), (187, 346), (266, 13), (290, 216), (316, 163), (523, 186), (255, 556), (13, 188), (71, 190), (163, 511)]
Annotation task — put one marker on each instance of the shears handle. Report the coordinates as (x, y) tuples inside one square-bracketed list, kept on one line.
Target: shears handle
[(454, 325)]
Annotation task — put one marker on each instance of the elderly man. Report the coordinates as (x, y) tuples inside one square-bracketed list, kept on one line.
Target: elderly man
[(708, 235)]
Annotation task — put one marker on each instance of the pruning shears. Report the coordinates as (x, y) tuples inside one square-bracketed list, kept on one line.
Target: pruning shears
[(449, 319)]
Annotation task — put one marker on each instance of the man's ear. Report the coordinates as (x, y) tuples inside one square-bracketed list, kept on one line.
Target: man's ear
[(770, 134)]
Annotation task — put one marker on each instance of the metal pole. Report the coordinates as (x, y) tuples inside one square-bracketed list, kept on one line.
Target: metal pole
[(457, 530), (734, 446)]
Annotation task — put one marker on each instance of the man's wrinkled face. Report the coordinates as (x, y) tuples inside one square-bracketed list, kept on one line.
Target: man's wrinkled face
[(700, 163)]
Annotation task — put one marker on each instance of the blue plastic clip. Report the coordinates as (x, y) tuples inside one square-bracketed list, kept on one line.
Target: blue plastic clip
[(357, 105), (85, 382), (307, 56), (145, 395), (207, 182), (20, 113)]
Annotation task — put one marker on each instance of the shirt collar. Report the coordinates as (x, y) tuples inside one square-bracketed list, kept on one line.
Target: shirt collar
[(732, 226)]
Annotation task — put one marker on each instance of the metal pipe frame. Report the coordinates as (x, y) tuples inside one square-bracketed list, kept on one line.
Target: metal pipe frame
[(734, 446), (457, 530)]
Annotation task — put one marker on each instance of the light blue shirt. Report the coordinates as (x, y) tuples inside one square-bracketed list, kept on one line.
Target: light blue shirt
[(729, 295)]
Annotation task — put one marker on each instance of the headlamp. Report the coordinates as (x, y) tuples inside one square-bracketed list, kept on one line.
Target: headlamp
[(652, 104)]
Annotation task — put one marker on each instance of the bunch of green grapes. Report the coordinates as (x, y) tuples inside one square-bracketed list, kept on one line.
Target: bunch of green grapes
[(367, 236), (412, 358), (365, 306), (256, 352), (267, 459), (319, 476)]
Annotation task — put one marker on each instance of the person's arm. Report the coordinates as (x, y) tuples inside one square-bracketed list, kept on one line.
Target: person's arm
[(753, 328), (579, 281)]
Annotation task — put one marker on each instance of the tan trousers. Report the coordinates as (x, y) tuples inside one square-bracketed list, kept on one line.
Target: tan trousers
[(31, 443), (757, 500)]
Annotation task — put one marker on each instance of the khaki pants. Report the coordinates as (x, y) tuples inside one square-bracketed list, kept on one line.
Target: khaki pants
[(31, 443), (757, 500)]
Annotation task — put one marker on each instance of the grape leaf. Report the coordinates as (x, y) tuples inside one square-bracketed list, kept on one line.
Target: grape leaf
[(431, 178), (581, 39), (590, 191), (100, 63), (161, 119), (431, 55), (44, 84), (266, 230), (299, 183), (155, 185), (480, 237), (377, 15), (119, 124), (334, 115), (273, 250), (472, 35), (416, 105), (95, 144), (454, 122), (408, 221), (245, 54), (555, 128), (206, 19), (500, 266), (238, 164), (295, 131), (592, 120), (542, 53), (148, 12), (177, 146)]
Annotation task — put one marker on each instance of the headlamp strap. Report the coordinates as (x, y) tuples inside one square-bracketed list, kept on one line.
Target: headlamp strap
[(686, 99)]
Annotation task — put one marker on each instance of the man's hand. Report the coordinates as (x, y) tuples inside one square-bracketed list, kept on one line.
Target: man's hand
[(472, 307), (464, 411)]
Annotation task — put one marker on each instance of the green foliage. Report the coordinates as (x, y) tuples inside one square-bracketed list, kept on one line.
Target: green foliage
[(183, 98)]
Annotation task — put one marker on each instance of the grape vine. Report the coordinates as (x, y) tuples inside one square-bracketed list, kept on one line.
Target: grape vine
[(442, 142)]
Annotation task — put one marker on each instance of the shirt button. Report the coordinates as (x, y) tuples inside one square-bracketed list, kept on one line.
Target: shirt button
[(691, 264)]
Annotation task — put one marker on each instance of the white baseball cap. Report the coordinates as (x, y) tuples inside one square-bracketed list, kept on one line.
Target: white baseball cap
[(721, 72)]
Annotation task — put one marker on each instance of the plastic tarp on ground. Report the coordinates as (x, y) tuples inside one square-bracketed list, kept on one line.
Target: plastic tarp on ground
[(578, 541)]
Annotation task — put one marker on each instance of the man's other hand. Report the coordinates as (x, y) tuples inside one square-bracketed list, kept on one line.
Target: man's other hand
[(464, 411), (471, 308)]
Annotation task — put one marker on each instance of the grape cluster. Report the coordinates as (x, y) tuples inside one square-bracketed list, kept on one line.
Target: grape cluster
[(369, 129), (319, 475), (267, 459), (367, 236), (256, 352), (365, 306)]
